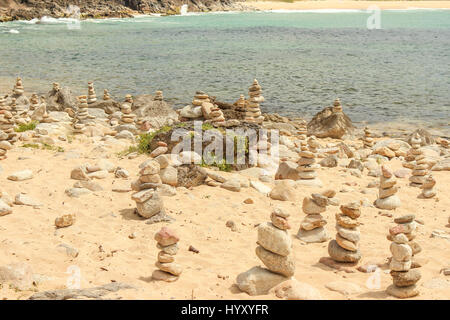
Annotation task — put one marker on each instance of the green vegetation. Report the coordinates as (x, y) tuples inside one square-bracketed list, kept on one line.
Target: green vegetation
[(44, 146), (27, 126), (222, 165)]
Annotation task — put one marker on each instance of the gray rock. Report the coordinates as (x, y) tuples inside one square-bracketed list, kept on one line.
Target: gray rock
[(21, 175), (284, 265), (258, 281), (313, 236), (329, 162), (273, 239), (341, 255), (77, 192)]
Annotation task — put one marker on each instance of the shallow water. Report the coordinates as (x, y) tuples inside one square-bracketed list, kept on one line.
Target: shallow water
[(303, 60)]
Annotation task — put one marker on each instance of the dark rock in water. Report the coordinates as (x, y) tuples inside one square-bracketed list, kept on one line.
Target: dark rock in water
[(61, 99), (425, 136), (191, 175), (158, 113), (331, 122)]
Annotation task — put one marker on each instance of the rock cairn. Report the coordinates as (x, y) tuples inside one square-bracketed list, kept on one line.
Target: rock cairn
[(387, 198), (337, 107), (106, 95), (302, 130), (6, 128), (148, 201), (34, 102), (307, 166), (199, 98), (240, 104), (5, 145), (216, 117), (91, 97), (420, 169), (275, 252), (414, 152), (158, 96), (18, 87), (127, 116), (345, 248), (403, 273), (428, 190), (253, 111), (367, 139), (56, 87), (313, 144), (312, 227), (81, 116), (167, 242)]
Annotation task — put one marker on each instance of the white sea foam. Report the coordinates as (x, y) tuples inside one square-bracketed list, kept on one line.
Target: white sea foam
[(314, 11), (13, 31)]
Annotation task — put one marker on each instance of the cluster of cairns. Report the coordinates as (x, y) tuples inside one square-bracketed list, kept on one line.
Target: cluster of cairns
[(312, 227), (168, 269), (404, 271), (387, 198), (307, 165), (253, 111), (367, 139), (148, 201), (345, 248), (275, 252)]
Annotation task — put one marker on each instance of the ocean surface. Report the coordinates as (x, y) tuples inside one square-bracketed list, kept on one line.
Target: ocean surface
[(303, 60)]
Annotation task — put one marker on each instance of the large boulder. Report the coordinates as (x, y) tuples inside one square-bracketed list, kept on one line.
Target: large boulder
[(157, 113), (425, 136), (60, 100), (330, 124)]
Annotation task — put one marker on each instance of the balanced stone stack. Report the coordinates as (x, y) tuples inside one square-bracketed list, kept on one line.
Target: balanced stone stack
[(6, 128), (148, 201), (81, 116), (127, 116), (275, 251), (158, 96), (5, 145), (307, 167), (428, 187), (346, 246), (34, 102), (167, 242), (253, 111), (403, 274), (414, 152), (92, 97), (313, 144), (387, 198), (216, 117), (106, 95), (312, 227), (18, 87), (302, 130), (367, 139), (199, 98), (420, 168), (240, 104), (56, 87), (337, 107)]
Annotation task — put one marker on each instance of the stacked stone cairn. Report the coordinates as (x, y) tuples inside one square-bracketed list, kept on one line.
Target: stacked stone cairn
[(387, 198), (240, 104), (275, 252), (302, 131), (403, 273), (420, 168), (106, 95), (253, 111), (18, 87), (92, 97), (199, 98), (307, 166), (367, 139), (337, 107), (428, 190), (56, 87), (148, 201), (168, 269), (216, 117), (414, 152), (313, 144), (6, 128), (346, 246), (311, 229), (127, 116), (34, 102), (81, 116), (158, 96)]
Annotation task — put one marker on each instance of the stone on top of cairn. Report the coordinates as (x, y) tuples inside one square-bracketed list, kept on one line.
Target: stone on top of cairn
[(346, 246), (404, 272), (253, 111), (92, 97), (158, 95), (18, 87), (168, 269), (427, 187), (311, 229), (275, 252), (106, 95), (367, 139), (199, 98), (387, 198)]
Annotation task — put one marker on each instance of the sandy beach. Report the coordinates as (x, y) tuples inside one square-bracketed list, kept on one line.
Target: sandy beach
[(360, 5)]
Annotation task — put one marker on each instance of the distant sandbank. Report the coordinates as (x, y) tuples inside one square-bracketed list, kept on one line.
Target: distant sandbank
[(336, 4)]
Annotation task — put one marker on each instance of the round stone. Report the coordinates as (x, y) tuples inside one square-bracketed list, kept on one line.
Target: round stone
[(352, 235), (164, 257), (339, 254), (401, 252), (284, 265), (405, 279), (346, 244)]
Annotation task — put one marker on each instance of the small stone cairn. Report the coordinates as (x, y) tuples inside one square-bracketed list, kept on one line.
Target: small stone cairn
[(414, 152), (6, 128), (92, 97), (275, 251), (307, 166), (56, 87), (240, 104), (420, 168), (148, 201), (302, 130), (34, 102), (158, 96), (387, 198), (311, 229), (428, 190), (346, 246), (199, 98), (253, 111), (367, 139), (403, 273), (106, 95), (18, 87), (168, 269), (81, 116), (127, 116)]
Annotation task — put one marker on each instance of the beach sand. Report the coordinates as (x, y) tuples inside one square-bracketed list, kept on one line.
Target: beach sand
[(361, 5)]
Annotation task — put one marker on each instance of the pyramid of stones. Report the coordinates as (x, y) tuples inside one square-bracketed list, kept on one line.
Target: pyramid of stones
[(403, 248), (81, 117), (106, 95), (414, 152), (91, 97), (253, 111), (199, 98), (127, 116), (311, 229), (168, 269), (420, 168), (307, 166), (367, 139), (216, 116), (345, 248), (34, 102), (428, 190), (148, 201), (6, 128), (18, 87), (158, 96), (241, 104), (337, 107), (387, 198)]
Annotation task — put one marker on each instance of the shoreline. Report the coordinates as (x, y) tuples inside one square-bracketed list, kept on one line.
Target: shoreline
[(345, 5)]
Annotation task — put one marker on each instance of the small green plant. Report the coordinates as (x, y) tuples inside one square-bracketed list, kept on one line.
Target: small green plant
[(31, 145), (45, 146), (127, 151), (222, 165), (207, 126), (145, 139), (26, 126), (70, 138)]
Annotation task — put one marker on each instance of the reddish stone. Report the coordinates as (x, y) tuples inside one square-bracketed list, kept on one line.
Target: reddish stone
[(166, 237)]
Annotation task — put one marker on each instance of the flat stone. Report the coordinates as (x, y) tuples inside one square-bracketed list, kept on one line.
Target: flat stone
[(232, 185), (284, 265), (313, 236), (403, 228), (352, 210), (171, 250), (170, 267), (25, 200), (401, 252), (402, 293), (352, 235), (310, 207), (258, 281), (166, 237), (389, 203), (295, 290), (77, 192), (344, 287), (406, 279), (405, 218), (21, 175), (346, 244), (87, 184), (279, 222), (339, 254), (313, 221), (163, 276), (400, 265), (346, 222), (79, 173)]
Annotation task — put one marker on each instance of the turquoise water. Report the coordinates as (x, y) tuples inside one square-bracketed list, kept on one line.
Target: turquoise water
[(303, 60)]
